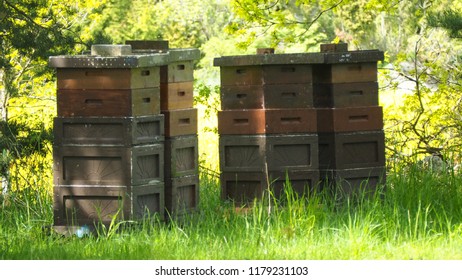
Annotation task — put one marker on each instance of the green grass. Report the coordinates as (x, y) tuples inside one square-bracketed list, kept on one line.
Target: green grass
[(419, 216)]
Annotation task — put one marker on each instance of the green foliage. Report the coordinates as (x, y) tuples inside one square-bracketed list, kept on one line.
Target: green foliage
[(30, 32), (450, 20), (282, 23), (182, 23)]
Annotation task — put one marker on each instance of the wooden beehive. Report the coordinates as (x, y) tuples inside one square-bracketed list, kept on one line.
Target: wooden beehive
[(116, 131)]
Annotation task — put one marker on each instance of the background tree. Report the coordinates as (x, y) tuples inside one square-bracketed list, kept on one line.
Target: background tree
[(30, 32), (420, 77)]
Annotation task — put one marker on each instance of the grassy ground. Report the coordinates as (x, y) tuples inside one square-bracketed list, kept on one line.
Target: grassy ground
[(419, 216)]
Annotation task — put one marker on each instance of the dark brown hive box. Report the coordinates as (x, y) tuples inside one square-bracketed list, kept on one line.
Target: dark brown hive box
[(106, 165), (255, 153), (175, 96), (180, 122), (242, 152), (181, 156), (302, 182), (267, 96), (346, 95), (80, 205), (292, 152), (345, 73), (108, 103), (117, 78), (109, 67), (244, 187), (124, 131), (148, 200), (242, 121), (350, 119), (284, 68), (351, 150), (265, 74), (91, 205), (290, 120), (351, 181), (270, 121), (181, 194)]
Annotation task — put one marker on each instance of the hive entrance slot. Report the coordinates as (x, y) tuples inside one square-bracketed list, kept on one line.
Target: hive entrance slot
[(146, 100), (181, 93), (241, 121), (290, 120), (356, 92), (288, 94), (184, 121), (93, 101), (145, 73), (181, 67), (358, 118)]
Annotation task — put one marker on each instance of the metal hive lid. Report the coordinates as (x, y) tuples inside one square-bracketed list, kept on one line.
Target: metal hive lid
[(301, 58), (129, 61)]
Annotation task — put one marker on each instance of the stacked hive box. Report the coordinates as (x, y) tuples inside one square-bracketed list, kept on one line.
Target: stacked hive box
[(267, 125), (310, 115), (350, 120), (108, 152), (181, 142)]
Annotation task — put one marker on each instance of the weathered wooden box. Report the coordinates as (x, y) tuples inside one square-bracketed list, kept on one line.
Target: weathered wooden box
[(180, 122), (357, 181), (244, 187), (290, 152), (252, 121), (267, 96), (181, 195), (350, 119), (108, 166), (108, 103), (345, 72), (177, 72), (108, 78), (269, 121), (93, 205), (351, 150), (346, 95), (302, 182), (118, 131), (181, 156), (244, 75), (175, 96), (257, 153), (282, 121), (245, 153)]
